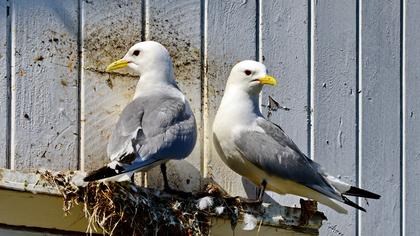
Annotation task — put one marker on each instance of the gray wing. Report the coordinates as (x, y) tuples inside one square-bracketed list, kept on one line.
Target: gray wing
[(275, 153), (153, 128)]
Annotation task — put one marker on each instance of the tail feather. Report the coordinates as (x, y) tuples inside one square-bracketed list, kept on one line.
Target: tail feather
[(352, 204), (116, 168), (101, 173), (357, 192)]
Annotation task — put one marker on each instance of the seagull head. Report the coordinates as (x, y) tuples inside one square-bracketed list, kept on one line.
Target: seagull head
[(249, 76), (143, 57)]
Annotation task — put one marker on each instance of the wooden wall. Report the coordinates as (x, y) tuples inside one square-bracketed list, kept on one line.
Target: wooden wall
[(348, 70)]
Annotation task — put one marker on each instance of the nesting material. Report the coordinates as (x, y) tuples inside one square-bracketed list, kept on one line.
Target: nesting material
[(127, 209)]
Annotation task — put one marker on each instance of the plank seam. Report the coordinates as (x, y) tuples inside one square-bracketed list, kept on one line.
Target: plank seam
[(12, 80), (143, 21), (9, 83), (359, 111), (146, 17), (206, 145), (403, 115), (311, 78), (80, 158), (258, 41)]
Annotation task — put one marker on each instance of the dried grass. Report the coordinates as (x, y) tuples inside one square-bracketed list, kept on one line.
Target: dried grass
[(128, 209)]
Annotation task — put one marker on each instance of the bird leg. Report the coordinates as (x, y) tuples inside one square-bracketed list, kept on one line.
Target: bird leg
[(258, 200), (262, 190), (165, 178), (166, 186)]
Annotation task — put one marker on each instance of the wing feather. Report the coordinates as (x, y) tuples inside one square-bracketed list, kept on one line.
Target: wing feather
[(274, 152)]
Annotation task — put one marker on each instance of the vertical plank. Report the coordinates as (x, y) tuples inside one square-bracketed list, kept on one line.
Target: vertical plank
[(177, 25), (231, 37), (335, 79), (412, 117), (44, 88), (110, 28), (285, 53), (380, 134), (4, 82)]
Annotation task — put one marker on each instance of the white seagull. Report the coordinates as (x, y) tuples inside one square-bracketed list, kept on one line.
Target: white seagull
[(158, 125), (261, 151)]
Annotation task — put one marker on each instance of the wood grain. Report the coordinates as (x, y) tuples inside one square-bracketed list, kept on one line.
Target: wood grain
[(231, 37), (4, 83), (412, 118), (381, 107), (335, 80), (177, 25), (285, 53), (110, 28), (44, 86)]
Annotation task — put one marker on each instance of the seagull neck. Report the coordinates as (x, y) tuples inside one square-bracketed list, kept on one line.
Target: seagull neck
[(241, 101), (154, 80)]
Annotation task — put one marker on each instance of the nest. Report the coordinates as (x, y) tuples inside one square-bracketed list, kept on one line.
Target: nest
[(127, 209)]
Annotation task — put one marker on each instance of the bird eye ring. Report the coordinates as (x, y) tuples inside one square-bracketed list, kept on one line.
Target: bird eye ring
[(136, 52), (247, 72)]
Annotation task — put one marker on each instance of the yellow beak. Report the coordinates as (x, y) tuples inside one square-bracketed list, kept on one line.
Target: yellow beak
[(117, 65), (268, 80)]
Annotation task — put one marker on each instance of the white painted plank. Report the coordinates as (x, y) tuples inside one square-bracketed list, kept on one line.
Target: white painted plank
[(24, 232), (110, 28), (4, 84), (335, 79), (176, 25), (412, 117), (380, 141), (231, 37), (44, 87), (285, 53)]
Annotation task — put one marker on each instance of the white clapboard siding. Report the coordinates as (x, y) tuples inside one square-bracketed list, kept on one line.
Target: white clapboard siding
[(4, 83), (109, 28), (348, 71), (380, 116), (231, 37), (44, 85), (334, 104), (411, 193), (284, 36), (176, 24)]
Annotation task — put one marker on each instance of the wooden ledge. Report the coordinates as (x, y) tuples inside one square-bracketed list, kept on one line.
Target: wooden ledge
[(27, 201)]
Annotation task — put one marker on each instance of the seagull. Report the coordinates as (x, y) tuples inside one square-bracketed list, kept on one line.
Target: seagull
[(262, 152), (156, 126)]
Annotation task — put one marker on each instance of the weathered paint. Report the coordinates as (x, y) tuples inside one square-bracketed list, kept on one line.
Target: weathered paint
[(45, 203), (4, 82), (380, 122), (176, 24), (109, 29), (364, 128), (285, 26), (44, 85), (335, 79), (411, 113), (231, 37)]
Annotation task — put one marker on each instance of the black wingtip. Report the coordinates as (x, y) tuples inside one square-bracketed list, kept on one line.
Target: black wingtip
[(352, 204), (101, 173), (358, 192)]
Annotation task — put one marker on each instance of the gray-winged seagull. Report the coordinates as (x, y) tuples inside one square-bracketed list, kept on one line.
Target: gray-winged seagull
[(158, 125), (261, 151)]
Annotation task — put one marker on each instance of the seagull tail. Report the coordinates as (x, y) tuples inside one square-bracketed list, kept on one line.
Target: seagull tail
[(352, 204), (347, 189), (358, 192), (101, 173), (116, 171)]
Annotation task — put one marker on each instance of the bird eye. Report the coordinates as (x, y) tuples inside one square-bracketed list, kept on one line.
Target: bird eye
[(247, 72), (136, 52)]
